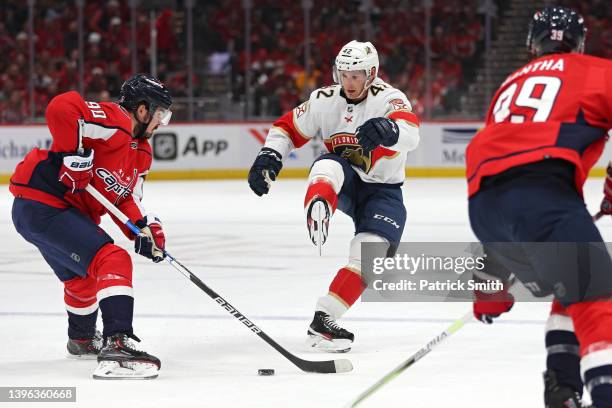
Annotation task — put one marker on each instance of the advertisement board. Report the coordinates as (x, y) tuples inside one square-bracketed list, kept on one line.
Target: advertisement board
[(227, 150)]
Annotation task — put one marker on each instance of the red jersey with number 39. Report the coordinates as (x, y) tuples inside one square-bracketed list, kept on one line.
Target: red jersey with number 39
[(557, 106)]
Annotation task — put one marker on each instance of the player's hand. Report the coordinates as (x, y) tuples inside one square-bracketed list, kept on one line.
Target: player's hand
[(266, 167), (151, 242), (76, 170), (606, 204), (375, 132), (490, 305)]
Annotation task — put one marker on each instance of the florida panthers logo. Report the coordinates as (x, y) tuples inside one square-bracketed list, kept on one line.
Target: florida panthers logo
[(347, 146)]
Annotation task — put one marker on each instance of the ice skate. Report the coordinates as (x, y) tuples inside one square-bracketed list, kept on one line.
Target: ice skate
[(85, 349), (325, 334), (558, 395), (120, 360)]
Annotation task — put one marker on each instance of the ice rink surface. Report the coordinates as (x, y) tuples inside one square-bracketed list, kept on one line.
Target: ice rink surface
[(255, 252)]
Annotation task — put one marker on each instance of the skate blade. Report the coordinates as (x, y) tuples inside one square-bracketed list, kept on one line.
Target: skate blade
[(112, 370), (81, 356), (318, 215), (319, 210), (316, 342)]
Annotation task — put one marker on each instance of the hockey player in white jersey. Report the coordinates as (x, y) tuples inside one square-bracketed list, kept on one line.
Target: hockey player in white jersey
[(368, 128)]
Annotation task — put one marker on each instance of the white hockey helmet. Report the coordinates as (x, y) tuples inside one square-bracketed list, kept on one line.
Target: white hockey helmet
[(357, 56)]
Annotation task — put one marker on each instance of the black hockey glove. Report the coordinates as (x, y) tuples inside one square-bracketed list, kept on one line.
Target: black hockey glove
[(375, 132), (267, 163)]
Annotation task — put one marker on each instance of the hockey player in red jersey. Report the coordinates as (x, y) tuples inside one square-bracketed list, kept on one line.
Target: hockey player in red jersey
[(545, 129), (106, 145), (368, 128)]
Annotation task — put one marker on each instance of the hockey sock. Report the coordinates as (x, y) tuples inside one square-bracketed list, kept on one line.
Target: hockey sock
[(344, 291), (563, 349), (82, 326), (592, 321), (112, 267), (320, 187), (81, 306), (598, 378), (117, 314)]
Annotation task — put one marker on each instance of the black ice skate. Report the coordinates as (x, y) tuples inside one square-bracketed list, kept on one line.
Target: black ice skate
[(317, 221), (326, 335), (558, 395), (120, 360), (85, 349)]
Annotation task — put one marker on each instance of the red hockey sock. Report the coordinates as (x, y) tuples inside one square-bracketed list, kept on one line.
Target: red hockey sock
[(322, 188), (112, 269), (592, 323), (80, 295), (347, 286)]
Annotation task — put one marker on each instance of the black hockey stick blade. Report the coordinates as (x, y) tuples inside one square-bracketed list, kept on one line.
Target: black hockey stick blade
[(324, 367)]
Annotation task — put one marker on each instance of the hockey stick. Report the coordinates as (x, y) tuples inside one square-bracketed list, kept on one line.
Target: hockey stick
[(598, 216), (458, 324), (329, 366)]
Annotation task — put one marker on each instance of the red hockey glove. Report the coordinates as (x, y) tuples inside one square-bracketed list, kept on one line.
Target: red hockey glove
[(151, 242), (490, 305), (606, 204), (76, 171)]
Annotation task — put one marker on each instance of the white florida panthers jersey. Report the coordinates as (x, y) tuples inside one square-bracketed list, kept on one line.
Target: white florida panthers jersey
[(329, 115)]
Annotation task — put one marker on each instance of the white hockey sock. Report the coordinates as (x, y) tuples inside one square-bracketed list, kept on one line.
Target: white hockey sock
[(332, 306)]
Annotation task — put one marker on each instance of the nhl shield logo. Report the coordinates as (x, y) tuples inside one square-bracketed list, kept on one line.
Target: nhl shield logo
[(165, 146)]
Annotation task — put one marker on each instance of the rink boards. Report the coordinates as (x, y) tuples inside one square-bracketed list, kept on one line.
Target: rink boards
[(226, 150)]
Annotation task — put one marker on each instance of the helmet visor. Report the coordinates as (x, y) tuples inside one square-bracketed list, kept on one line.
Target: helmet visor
[(163, 116), (339, 75)]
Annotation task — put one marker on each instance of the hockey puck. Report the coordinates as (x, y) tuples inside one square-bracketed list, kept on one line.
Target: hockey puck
[(265, 371)]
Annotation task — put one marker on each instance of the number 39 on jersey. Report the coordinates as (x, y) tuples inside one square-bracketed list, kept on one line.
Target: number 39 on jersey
[(529, 98)]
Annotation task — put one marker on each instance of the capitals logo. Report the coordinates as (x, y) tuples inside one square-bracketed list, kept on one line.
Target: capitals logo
[(346, 145), (117, 183)]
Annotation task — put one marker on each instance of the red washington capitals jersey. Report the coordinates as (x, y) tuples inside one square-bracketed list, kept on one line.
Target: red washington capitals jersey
[(120, 161), (557, 106)]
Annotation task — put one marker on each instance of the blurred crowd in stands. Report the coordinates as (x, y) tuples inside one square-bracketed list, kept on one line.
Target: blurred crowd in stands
[(107, 52), (279, 77)]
